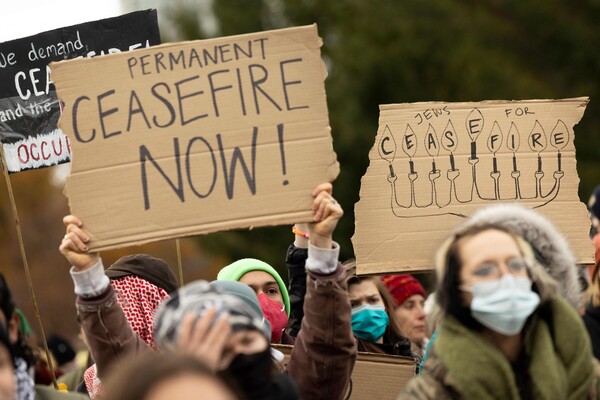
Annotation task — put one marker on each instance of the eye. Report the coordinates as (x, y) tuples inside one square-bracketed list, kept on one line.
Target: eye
[(246, 340), (354, 303), (517, 265), (485, 270), (272, 291), (374, 300)]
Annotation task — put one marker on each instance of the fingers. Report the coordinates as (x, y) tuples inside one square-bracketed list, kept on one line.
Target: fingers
[(202, 325), (325, 205), (71, 219), (323, 187), (75, 239), (205, 337)]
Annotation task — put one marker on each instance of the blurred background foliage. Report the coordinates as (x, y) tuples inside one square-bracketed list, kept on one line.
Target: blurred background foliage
[(376, 52), (390, 51)]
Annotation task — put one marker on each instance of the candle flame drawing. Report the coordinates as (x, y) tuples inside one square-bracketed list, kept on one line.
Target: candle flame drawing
[(449, 138), (559, 136), (432, 144), (387, 145), (495, 138), (409, 142), (474, 123), (537, 138), (513, 140)]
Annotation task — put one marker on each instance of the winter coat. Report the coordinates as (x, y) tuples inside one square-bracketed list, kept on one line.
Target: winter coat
[(555, 362), (591, 318), (322, 359)]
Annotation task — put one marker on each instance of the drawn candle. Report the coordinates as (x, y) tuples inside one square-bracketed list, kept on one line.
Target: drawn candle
[(474, 123), (513, 142), (450, 142), (538, 142), (387, 148), (409, 146), (432, 145), (494, 142), (559, 139)]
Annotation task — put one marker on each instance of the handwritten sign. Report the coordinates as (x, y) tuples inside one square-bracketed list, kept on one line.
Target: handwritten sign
[(197, 137), (29, 108), (434, 164)]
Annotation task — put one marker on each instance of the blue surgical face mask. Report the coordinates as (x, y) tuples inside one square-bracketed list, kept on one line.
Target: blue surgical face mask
[(503, 305), (369, 322)]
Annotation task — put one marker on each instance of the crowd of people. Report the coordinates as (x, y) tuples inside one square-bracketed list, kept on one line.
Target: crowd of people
[(511, 316)]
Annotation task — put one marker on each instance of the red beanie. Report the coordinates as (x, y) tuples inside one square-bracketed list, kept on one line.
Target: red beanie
[(402, 287)]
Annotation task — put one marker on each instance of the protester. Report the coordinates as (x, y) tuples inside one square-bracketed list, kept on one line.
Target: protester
[(503, 334), (228, 334), (165, 377), (323, 357), (374, 322), (115, 326), (409, 301), (270, 290), (63, 352), (327, 345), (8, 388), (24, 358), (591, 316)]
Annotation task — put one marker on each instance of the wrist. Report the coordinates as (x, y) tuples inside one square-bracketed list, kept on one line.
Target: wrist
[(301, 236), (321, 241)]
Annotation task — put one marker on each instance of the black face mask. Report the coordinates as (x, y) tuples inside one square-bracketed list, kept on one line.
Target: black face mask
[(252, 373)]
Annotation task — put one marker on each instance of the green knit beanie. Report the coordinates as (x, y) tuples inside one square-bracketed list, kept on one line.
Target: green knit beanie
[(234, 271)]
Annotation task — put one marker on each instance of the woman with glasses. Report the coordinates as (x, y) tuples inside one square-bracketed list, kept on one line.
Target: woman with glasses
[(503, 334)]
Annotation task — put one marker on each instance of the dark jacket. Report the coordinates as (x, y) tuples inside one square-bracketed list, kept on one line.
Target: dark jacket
[(392, 345), (295, 262), (591, 318)]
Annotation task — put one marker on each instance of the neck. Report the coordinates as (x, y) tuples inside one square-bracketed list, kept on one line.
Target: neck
[(510, 346)]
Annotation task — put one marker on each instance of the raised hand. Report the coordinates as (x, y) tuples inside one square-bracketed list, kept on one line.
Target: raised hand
[(74, 245), (326, 214)]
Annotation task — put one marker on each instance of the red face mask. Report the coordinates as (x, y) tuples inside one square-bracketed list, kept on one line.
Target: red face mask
[(275, 313)]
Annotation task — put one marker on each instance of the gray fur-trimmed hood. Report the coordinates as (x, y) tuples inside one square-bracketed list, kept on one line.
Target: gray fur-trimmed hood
[(549, 245)]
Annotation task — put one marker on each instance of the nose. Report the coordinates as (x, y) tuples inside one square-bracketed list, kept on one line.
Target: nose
[(420, 313)]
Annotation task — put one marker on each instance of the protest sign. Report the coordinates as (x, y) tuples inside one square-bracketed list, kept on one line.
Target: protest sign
[(434, 164), (196, 137), (375, 376), (29, 108)]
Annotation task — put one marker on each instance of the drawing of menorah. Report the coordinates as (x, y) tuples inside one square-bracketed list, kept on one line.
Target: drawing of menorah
[(442, 196)]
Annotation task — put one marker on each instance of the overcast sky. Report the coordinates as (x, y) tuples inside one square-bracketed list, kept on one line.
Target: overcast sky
[(22, 18)]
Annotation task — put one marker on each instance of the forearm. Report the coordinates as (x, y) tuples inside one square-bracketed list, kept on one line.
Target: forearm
[(325, 351), (106, 328)]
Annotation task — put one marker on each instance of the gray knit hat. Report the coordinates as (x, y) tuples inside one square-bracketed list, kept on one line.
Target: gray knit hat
[(197, 297)]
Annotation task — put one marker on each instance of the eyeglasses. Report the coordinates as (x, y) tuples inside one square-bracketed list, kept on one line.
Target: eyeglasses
[(492, 270)]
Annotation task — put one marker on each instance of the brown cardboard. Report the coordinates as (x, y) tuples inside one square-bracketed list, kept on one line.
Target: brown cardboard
[(375, 376), (153, 132), (419, 185)]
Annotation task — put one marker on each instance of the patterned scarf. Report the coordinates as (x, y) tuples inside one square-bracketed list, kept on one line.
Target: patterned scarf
[(139, 299)]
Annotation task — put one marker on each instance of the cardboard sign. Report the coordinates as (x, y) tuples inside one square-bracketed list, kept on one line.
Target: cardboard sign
[(434, 164), (196, 137), (375, 376), (29, 108)]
